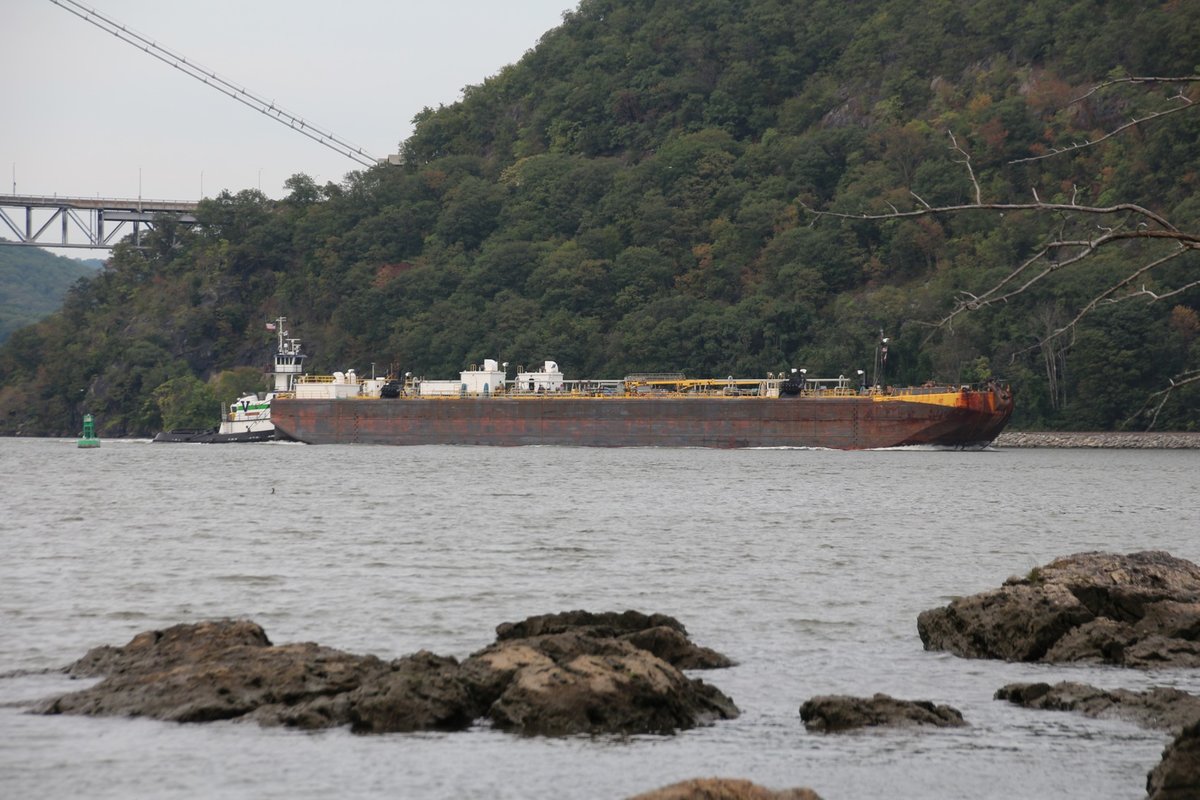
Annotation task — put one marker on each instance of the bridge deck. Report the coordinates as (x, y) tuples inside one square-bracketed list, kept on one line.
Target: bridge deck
[(98, 221), (105, 203)]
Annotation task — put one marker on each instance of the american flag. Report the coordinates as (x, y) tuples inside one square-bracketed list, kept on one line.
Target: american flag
[(270, 326)]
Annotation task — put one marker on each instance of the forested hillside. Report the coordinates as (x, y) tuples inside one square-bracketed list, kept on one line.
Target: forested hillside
[(33, 284), (637, 194)]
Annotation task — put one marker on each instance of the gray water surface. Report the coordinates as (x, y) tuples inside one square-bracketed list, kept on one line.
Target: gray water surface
[(808, 568)]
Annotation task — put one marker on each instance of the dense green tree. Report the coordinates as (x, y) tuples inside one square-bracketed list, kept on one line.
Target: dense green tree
[(33, 284), (186, 402), (635, 194)]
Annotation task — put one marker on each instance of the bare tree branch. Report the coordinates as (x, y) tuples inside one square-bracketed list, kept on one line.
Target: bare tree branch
[(1185, 101), (1086, 249), (1137, 79), (1156, 297), (1077, 249), (1142, 270), (1130, 222), (1183, 379), (1169, 231), (1054, 151), (1103, 297), (966, 161)]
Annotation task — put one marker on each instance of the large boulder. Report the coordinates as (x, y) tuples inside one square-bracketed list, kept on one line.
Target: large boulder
[(418, 693), (587, 677), (548, 676), (724, 789), (211, 671), (179, 644), (1135, 610), (662, 635), (835, 713), (1159, 708), (1177, 776)]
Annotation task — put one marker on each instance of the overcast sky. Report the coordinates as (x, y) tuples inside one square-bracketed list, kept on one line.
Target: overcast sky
[(86, 114)]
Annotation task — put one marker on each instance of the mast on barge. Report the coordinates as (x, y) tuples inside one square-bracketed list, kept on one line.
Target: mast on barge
[(289, 361)]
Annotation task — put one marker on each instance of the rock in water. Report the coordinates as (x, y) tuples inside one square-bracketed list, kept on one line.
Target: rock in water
[(660, 634), (216, 670), (1136, 610), (834, 713), (420, 692), (724, 789), (1177, 776), (570, 673), (1159, 708), (179, 644), (573, 673)]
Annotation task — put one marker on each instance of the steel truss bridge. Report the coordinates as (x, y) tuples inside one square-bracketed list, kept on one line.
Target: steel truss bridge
[(85, 222)]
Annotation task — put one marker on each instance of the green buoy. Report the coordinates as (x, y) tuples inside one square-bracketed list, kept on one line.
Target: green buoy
[(88, 437)]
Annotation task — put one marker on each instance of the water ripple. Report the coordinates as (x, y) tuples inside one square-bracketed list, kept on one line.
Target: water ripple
[(807, 567)]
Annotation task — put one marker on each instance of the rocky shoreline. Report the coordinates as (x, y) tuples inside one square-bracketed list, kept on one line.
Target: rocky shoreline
[(1139, 610), (553, 675), (584, 673), (1117, 440)]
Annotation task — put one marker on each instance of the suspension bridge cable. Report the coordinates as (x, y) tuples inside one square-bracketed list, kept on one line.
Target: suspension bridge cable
[(221, 84)]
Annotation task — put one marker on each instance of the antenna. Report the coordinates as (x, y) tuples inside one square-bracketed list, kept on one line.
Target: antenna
[(207, 76), (880, 358)]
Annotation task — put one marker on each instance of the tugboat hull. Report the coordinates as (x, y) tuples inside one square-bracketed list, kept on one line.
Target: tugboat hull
[(213, 436)]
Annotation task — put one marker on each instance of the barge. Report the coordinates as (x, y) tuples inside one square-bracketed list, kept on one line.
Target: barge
[(484, 407)]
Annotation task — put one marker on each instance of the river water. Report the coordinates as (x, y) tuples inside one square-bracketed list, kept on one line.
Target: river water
[(806, 567)]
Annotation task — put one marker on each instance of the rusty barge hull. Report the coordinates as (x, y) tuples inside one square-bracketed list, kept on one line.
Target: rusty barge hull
[(843, 423)]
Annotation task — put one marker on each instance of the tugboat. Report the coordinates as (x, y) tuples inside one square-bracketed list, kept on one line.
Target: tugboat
[(249, 417)]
